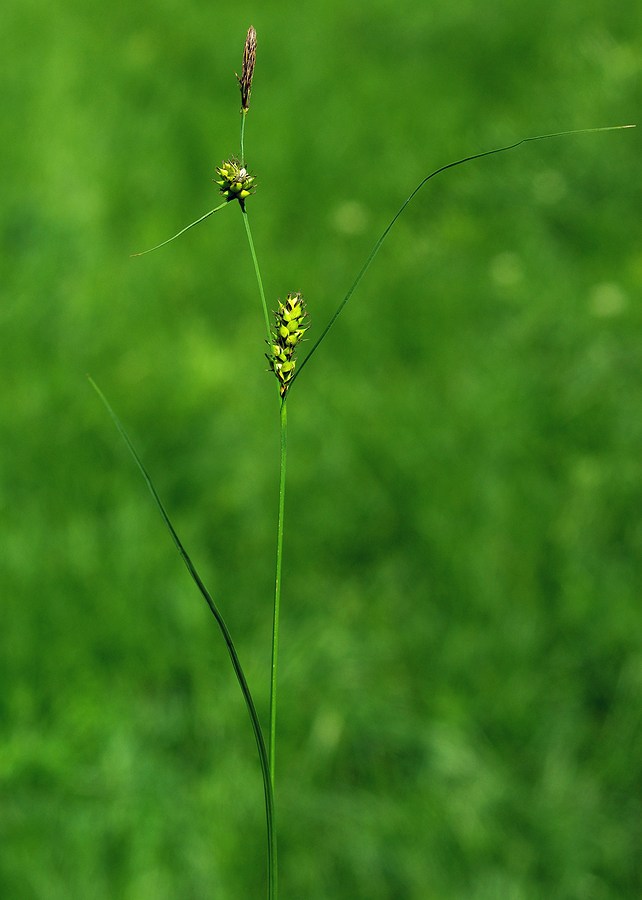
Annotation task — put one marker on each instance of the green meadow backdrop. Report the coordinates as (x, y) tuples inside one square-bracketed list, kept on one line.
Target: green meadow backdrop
[(462, 600)]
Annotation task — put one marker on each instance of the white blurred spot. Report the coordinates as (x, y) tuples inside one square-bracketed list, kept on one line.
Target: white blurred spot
[(607, 300), (326, 730), (350, 217), (549, 186), (506, 269)]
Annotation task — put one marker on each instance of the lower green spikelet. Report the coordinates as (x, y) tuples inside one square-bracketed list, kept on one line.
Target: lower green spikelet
[(290, 324)]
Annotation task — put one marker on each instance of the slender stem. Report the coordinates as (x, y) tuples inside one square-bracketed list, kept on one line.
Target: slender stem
[(272, 845), (259, 280), (270, 813), (277, 591), (243, 114), (451, 165)]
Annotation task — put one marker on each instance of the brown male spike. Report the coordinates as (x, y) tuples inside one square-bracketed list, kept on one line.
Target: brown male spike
[(247, 72)]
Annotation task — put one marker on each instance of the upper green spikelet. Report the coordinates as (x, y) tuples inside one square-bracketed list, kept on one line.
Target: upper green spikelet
[(235, 181)]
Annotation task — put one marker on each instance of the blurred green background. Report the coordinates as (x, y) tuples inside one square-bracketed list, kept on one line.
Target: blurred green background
[(461, 662)]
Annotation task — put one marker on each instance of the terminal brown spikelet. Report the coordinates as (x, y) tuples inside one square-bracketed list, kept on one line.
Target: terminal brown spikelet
[(247, 72)]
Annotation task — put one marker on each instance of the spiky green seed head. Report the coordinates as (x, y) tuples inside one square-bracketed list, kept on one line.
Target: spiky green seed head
[(235, 181), (288, 333)]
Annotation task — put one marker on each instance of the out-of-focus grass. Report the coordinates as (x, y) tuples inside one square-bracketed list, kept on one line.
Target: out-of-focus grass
[(461, 660)]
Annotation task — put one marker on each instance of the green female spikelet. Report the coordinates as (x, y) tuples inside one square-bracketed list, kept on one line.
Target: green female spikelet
[(289, 328), (236, 183)]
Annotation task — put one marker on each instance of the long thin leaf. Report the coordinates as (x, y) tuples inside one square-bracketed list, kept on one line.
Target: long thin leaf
[(236, 664), (182, 231), (451, 165)]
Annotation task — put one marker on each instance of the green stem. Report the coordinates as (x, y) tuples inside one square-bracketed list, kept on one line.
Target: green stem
[(277, 591), (272, 871), (243, 114), (259, 280)]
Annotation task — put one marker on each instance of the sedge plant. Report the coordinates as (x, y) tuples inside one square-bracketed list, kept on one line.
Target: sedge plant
[(284, 336)]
